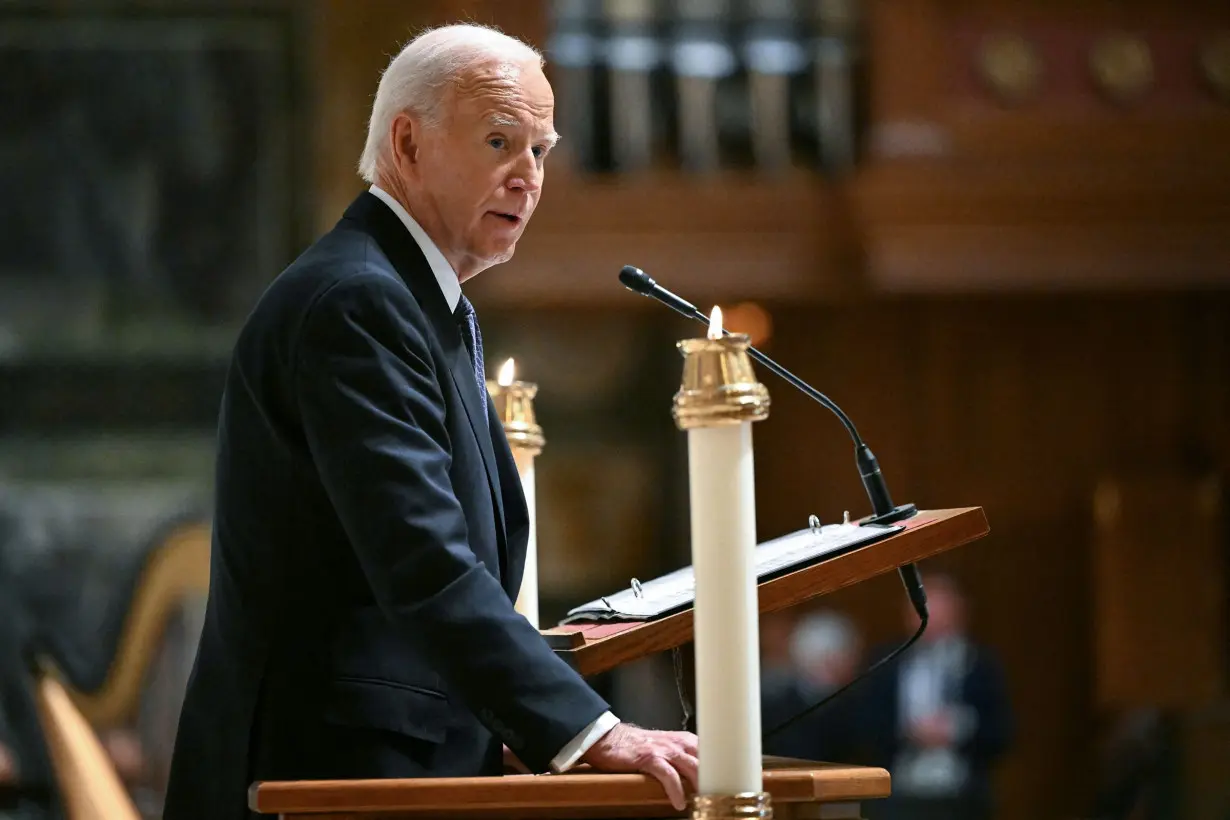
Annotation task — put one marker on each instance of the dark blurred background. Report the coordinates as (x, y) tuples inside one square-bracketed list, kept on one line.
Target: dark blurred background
[(997, 232)]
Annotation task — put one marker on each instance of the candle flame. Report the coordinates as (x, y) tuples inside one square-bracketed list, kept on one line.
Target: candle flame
[(715, 323), (507, 371)]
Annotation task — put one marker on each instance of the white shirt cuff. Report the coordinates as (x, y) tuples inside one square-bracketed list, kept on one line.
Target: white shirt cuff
[(579, 745)]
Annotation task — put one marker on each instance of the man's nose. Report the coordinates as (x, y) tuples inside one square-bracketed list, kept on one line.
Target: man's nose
[(526, 176)]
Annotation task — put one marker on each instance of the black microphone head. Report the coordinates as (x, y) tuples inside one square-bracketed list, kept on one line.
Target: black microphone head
[(636, 279)]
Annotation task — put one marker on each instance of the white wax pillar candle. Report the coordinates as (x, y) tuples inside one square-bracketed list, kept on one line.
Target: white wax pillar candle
[(514, 402), (726, 617), (527, 596)]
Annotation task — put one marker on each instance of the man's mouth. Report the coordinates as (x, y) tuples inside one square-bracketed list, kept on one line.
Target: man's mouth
[(511, 219)]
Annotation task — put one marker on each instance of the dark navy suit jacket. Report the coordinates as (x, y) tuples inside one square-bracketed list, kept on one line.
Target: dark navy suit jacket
[(369, 540)]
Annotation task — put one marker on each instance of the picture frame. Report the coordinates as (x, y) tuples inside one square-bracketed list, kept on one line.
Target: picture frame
[(154, 154)]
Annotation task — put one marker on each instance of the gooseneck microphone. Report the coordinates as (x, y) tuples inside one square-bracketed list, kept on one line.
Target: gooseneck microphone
[(884, 511)]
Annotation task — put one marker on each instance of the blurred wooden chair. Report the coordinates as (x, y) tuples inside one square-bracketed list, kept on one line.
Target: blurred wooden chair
[(173, 571), (80, 697), (90, 788)]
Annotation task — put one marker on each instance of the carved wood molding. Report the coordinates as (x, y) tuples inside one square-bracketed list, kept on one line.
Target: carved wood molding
[(719, 236), (934, 228)]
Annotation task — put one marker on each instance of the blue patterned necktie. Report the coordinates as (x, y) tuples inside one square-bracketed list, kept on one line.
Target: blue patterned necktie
[(467, 322)]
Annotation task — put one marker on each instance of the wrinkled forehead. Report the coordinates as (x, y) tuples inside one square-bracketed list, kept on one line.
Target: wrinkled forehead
[(503, 93)]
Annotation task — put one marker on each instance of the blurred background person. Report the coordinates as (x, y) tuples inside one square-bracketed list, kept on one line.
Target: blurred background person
[(825, 654), (938, 718), (776, 666)]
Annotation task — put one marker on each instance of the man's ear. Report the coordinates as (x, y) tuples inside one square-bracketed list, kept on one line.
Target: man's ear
[(404, 142)]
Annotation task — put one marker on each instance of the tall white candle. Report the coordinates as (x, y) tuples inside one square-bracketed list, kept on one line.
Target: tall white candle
[(527, 597), (717, 403), (514, 402), (726, 617)]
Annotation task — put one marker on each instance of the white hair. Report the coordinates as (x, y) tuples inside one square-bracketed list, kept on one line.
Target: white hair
[(417, 78), (820, 636)]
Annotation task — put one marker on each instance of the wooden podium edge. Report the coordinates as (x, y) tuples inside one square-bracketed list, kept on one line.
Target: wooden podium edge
[(583, 793), (594, 648)]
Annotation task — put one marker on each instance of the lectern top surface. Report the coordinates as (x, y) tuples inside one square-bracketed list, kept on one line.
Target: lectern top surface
[(595, 647), (644, 601)]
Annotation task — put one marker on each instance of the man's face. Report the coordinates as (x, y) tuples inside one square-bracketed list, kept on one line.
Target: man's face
[(480, 171)]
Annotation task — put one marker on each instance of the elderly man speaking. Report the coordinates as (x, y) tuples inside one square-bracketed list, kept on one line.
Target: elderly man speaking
[(370, 530)]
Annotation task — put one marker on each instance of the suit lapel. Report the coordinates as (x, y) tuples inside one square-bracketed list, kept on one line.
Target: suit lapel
[(404, 253)]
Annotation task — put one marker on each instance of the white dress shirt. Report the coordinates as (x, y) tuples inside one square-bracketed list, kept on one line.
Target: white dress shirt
[(450, 286)]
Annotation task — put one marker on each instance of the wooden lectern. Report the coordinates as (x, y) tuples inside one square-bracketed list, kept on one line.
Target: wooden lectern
[(799, 789)]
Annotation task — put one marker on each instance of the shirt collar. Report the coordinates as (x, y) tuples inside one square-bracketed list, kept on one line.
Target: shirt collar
[(450, 285)]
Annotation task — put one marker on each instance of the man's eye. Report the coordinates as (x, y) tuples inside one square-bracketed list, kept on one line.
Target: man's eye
[(540, 151), (498, 143)]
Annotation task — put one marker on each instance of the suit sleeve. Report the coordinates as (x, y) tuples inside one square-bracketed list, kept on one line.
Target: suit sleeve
[(374, 418)]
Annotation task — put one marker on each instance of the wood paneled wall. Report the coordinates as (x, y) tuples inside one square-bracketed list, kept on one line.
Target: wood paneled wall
[(1160, 591), (1066, 188), (1020, 406)]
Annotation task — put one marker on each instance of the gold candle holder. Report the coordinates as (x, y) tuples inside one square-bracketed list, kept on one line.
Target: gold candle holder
[(719, 386), (744, 806), (514, 405)]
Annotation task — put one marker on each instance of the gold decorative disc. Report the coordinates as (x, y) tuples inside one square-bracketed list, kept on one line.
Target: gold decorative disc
[(1122, 66), (1215, 63), (1010, 66)]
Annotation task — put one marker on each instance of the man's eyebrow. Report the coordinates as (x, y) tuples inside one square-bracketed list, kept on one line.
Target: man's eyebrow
[(503, 121)]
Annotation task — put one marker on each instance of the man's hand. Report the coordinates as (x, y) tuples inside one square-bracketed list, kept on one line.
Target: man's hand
[(513, 764), (668, 756)]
